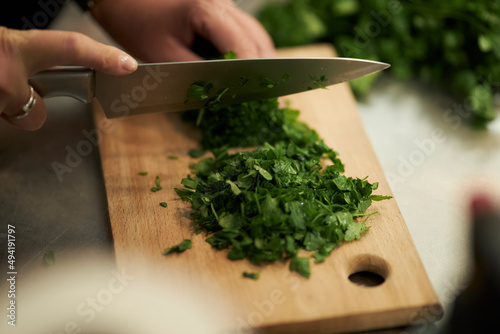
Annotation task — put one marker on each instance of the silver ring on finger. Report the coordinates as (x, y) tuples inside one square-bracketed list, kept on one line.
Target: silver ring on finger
[(28, 106)]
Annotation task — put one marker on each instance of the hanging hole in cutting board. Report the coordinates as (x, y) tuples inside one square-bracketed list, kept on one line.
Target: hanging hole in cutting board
[(366, 278), (368, 270)]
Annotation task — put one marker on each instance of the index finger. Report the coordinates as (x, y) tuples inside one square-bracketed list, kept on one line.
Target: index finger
[(47, 48)]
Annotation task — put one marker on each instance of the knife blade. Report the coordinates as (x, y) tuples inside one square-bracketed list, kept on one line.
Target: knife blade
[(161, 87)]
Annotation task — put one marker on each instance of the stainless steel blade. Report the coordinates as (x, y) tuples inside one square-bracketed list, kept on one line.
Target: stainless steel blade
[(162, 87)]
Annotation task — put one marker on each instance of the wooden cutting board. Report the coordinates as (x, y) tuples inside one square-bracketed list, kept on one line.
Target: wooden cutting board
[(280, 301)]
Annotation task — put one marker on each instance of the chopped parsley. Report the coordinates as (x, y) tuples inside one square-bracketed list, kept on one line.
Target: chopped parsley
[(248, 124), (196, 153), (230, 55), (198, 91), (244, 81), (300, 265), (266, 205), (157, 186), (50, 258), (319, 82), (267, 82), (164, 204), (254, 276), (183, 246), (142, 173)]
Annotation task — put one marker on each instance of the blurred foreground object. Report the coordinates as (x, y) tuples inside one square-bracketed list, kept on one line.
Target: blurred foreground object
[(476, 309), (454, 44), (89, 294)]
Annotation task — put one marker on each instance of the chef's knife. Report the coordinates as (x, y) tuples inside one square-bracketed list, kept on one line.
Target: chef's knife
[(156, 87)]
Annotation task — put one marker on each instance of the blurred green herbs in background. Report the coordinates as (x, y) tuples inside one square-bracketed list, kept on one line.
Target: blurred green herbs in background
[(453, 44)]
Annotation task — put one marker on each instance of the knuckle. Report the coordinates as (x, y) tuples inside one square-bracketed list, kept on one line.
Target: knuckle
[(9, 42), (77, 46), (4, 38), (72, 44), (205, 4), (203, 13), (13, 80), (198, 12)]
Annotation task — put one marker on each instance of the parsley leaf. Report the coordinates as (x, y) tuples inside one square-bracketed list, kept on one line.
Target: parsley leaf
[(379, 197), (50, 258), (323, 252), (319, 82), (300, 265), (230, 55), (196, 153), (157, 186), (254, 276), (198, 91), (184, 245)]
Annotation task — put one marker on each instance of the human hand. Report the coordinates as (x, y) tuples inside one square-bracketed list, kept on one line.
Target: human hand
[(164, 30), (25, 52)]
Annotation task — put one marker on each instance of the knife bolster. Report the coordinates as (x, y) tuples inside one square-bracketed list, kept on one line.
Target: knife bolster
[(74, 81)]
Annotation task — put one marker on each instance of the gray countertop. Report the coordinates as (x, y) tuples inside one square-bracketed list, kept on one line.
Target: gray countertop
[(64, 213)]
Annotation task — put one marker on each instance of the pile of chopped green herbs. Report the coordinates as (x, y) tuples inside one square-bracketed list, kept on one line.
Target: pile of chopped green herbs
[(268, 204), (452, 44)]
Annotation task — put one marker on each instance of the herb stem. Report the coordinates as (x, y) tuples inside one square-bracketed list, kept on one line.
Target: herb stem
[(200, 116), (257, 202), (214, 212)]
